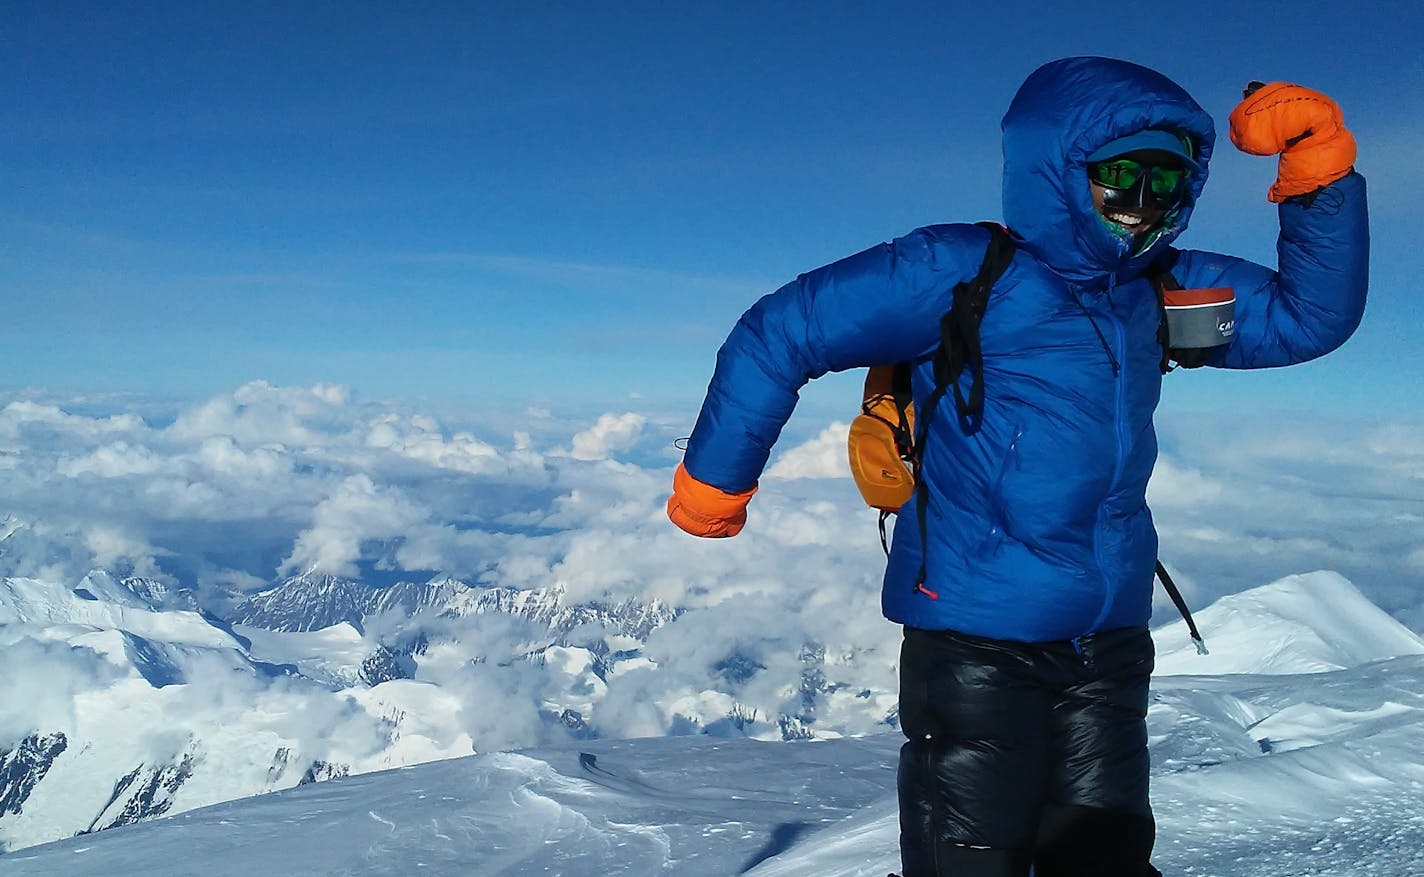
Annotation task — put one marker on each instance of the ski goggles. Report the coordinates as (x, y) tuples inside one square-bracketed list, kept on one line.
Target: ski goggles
[(1131, 183)]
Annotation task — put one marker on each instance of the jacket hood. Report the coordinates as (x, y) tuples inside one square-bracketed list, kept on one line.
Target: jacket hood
[(1065, 111)]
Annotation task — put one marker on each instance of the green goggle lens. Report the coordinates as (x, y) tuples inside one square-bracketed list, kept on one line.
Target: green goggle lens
[(1124, 173)]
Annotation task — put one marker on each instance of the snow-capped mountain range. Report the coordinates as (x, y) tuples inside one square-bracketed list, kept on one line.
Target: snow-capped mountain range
[(1290, 751), (313, 601), (133, 706)]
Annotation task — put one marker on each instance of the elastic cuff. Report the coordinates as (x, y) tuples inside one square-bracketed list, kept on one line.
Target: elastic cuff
[(706, 501)]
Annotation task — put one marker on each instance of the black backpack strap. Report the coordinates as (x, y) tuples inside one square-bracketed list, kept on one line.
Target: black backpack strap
[(900, 387), (902, 397), (959, 349), (959, 328), (903, 394), (1171, 588)]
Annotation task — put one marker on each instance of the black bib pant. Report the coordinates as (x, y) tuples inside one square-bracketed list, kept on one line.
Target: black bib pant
[(1025, 755)]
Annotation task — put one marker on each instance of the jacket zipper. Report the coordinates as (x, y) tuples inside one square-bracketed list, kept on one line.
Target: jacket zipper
[(1119, 447)]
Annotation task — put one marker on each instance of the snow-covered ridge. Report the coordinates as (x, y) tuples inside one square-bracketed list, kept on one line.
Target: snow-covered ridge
[(144, 711), (313, 601), (100, 602), (1308, 623)]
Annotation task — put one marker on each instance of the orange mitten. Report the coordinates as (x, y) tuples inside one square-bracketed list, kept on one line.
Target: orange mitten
[(703, 510), (1301, 124)]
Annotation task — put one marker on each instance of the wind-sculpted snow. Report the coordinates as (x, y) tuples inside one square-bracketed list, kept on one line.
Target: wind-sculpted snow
[(633, 808), (1293, 775)]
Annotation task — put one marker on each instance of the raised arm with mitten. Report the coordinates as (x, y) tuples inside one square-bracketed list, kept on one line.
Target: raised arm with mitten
[(1303, 126), (1315, 298)]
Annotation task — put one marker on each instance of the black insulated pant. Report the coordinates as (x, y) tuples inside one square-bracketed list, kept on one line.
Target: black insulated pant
[(1025, 755)]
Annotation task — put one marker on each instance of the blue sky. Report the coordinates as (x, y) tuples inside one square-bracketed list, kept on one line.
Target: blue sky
[(573, 202)]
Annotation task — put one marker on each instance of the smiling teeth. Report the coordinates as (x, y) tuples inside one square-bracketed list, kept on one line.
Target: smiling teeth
[(1125, 219)]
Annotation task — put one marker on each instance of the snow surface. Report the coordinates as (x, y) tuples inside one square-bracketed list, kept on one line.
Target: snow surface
[(1299, 755)]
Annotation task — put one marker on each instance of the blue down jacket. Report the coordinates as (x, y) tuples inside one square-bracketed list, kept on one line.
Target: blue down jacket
[(1038, 527)]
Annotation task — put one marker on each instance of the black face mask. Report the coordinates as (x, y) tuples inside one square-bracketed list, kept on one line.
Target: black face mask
[(1136, 185)]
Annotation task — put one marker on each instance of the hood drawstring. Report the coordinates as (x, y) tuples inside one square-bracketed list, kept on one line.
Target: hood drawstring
[(1102, 339)]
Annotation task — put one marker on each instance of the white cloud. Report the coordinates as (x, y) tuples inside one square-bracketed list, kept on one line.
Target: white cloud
[(23, 415), (259, 413), (112, 548), (54, 673), (612, 432), (357, 512), (419, 438), (1174, 485), (222, 456), (116, 460), (824, 456)]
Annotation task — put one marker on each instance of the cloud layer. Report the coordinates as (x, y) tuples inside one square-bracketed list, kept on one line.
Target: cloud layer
[(242, 489)]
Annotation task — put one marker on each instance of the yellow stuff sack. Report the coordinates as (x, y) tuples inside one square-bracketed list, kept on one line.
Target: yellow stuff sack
[(881, 443)]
